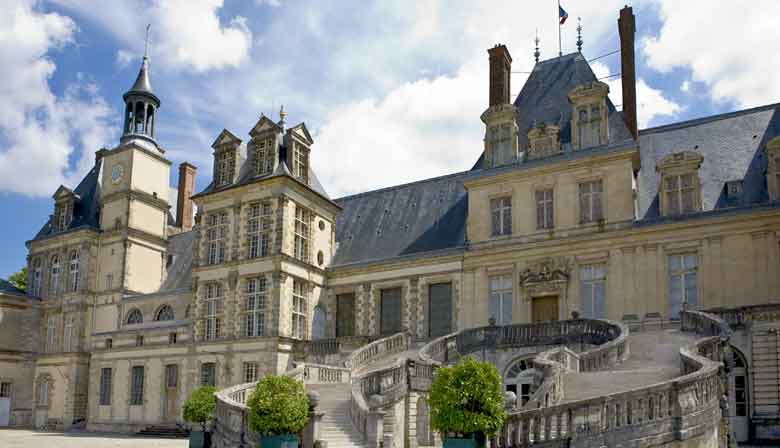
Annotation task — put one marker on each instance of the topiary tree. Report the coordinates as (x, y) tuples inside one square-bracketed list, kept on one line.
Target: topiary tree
[(278, 405), (199, 408), (466, 399)]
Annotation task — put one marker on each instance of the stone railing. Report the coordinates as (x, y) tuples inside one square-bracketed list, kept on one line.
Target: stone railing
[(679, 409), (367, 354), (330, 351), (745, 315)]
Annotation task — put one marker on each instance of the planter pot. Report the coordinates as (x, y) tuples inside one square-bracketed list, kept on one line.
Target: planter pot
[(197, 439), (459, 443), (281, 441)]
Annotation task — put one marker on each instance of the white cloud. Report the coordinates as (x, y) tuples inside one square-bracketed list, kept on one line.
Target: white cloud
[(729, 47), (272, 3), (40, 131), (651, 103), (685, 86)]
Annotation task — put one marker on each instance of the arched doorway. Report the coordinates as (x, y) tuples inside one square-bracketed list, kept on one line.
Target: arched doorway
[(739, 397), (318, 323), (518, 380)]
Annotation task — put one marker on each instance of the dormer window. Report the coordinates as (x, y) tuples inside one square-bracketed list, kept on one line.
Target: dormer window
[(500, 141), (543, 141), (226, 167), (773, 169), (680, 185), (301, 162), (264, 156), (589, 126), (226, 148)]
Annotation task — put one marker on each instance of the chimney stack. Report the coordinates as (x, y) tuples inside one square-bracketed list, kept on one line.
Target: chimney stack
[(500, 74), (184, 201), (627, 29)]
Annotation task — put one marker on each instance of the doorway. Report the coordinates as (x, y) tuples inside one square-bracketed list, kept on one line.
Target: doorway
[(738, 398), (390, 311), (171, 412), (544, 309), (439, 309)]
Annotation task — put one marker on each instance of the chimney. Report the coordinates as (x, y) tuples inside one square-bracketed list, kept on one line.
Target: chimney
[(184, 202), (500, 73), (627, 29)]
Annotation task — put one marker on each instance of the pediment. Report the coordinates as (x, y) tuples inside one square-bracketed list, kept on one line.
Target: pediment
[(63, 192), (303, 133), (226, 138), (264, 124)]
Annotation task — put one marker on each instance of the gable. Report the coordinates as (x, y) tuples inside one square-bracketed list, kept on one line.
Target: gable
[(226, 138), (303, 132), (63, 192), (264, 124)]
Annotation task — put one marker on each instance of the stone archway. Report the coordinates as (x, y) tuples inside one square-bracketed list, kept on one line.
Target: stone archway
[(544, 285)]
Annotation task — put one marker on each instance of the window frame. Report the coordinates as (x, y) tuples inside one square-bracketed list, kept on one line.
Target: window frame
[(208, 371), (596, 275), (55, 270), (37, 274), (217, 236), (6, 389), (547, 206), (137, 379), (499, 296), (302, 233), (589, 197), (259, 224), (213, 310), (684, 272), (501, 216), (75, 270), (106, 386), (226, 166), (254, 307), (299, 311), (253, 368)]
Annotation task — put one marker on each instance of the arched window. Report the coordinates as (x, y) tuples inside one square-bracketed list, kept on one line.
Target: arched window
[(139, 118), (74, 271), (54, 280), (164, 313), (150, 120), (134, 317), (35, 288)]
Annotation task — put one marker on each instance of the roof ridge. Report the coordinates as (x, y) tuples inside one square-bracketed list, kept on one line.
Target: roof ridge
[(710, 118), (407, 184)]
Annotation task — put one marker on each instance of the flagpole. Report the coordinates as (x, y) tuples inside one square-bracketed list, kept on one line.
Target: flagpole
[(560, 50)]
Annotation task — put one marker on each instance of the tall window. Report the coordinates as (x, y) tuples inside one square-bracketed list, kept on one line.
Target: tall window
[(250, 372), (301, 162), (345, 315), (593, 279), (258, 229), (226, 166), (213, 311), (35, 288), (591, 209), (300, 296), (595, 125), (61, 217), (43, 393), (683, 288), (302, 220), (680, 191), (71, 338), (264, 156), (589, 126), (109, 281), (545, 218), (501, 299), (74, 271), (216, 238), (501, 216), (582, 127), (5, 390), (54, 282), (208, 374), (137, 386), (253, 320), (51, 335), (105, 386)]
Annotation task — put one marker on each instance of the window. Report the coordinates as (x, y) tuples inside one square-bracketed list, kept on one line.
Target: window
[(51, 335), (680, 192), (109, 344), (300, 294), (137, 386), (592, 290), (54, 282), (208, 374), (43, 393), (253, 320), (172, 338), (591, 207), (345, 315), (61, 217), (105, 386), (139, 340), (545, 218), (500, 140), (301, 162), (165, 313), (5, 390), (582, 115), (264, 156), (216, 238), (109, 281), (226, 166), (682, 282), (740, 395), (250, 372), (135, 317), (35, 288), (71, 338), (171, 375), (258, 229), (501, 216), (501, 299), (213, 311), (74, 271), (595, 125), (302, 220)]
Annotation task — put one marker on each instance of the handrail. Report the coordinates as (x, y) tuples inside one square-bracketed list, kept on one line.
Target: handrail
[(395, 343), (738, 317)]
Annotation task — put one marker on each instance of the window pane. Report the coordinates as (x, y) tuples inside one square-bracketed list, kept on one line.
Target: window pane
[(494, 312), (506, 308), (599, 300), (586, 299), (691, 261), (691, 293), (675, 262)]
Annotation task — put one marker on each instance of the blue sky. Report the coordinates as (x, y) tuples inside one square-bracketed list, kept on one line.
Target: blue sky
[(392, 91)]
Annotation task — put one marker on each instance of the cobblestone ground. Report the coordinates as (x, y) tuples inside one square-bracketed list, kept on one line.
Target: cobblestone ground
[(20, 438)]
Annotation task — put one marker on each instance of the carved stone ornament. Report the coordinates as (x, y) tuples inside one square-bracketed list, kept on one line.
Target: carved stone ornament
[(545, 276)]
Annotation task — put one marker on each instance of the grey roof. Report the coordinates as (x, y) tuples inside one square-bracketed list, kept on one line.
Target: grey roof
[(86, 209), (142, 85), (7, 288), (408, 219), (732, 146), (179, 273)]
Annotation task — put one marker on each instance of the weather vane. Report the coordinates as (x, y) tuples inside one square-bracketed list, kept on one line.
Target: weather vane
[(579, 34), (146, 43)]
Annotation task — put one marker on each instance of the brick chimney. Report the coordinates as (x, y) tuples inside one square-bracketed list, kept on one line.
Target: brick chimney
[(184, 202), (500, 74), (627, 29)]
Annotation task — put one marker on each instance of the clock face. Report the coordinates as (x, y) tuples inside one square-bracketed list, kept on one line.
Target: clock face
[(116, 173)]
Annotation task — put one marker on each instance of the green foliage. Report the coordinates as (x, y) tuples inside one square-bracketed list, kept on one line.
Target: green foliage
[(466, 399), (199, 408), (19, 279), (279, 405)]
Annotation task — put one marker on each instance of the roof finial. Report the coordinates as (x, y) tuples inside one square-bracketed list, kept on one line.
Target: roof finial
[(146, 43), (536, 40), (579, 34), (282, 116)]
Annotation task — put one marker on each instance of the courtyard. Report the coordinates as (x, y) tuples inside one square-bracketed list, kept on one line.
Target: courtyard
[(24, 438)]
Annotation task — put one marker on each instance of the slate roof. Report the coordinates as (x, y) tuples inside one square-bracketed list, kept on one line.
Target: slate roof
[(86, 209), (179, 275), (732, 145), (7, 288)]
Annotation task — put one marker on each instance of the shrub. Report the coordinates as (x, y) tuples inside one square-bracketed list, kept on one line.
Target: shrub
[(466, 399), (199, 408), (278, 405)]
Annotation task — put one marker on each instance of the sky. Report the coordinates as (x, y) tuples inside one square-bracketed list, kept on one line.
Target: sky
[(392, 91)]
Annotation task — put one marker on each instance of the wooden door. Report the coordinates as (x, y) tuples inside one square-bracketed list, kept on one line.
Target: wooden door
[(345, 315), (439, 309), (171, 392), (545, 308), (390, 312)]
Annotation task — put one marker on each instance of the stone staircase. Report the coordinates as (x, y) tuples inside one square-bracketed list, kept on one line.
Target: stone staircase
[(336, 427), (164, 432)]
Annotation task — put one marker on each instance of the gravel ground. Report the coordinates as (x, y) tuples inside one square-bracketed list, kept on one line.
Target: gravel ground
[(24, 438)]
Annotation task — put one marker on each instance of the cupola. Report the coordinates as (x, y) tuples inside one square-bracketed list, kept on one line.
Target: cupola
[(141, 106)]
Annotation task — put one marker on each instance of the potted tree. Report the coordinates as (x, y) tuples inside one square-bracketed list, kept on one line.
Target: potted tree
[(467, 406), (199, 410), (278, 411)]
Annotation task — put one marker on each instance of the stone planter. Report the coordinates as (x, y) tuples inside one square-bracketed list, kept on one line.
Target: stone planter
[(451, 442), (281, 441), (197, 439)]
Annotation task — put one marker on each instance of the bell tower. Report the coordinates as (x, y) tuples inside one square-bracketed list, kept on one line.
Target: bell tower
[(141, 105)]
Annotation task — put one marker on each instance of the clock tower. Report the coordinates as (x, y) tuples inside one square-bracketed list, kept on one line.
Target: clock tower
[(134, 198)]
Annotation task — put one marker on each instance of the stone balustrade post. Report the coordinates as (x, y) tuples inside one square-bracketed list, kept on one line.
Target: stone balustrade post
[(311, 432), (375, 423)]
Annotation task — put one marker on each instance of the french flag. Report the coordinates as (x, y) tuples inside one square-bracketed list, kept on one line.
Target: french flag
[(562, 15)]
